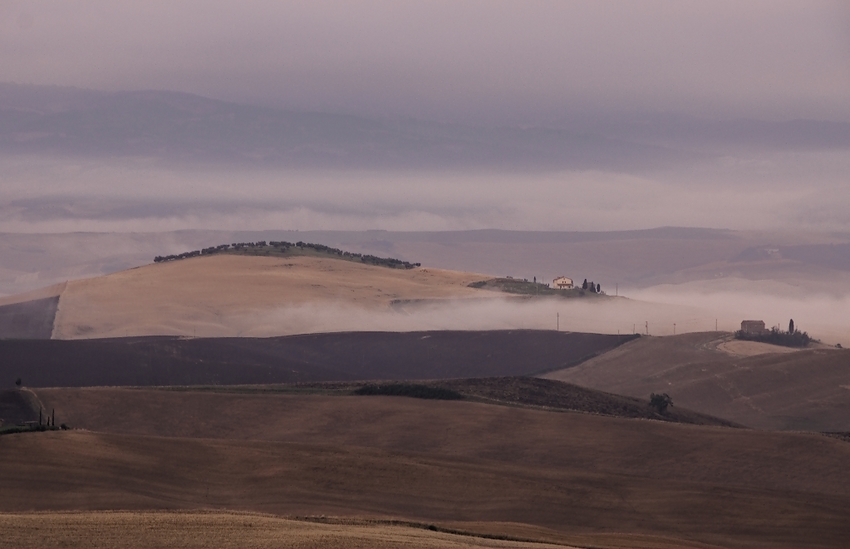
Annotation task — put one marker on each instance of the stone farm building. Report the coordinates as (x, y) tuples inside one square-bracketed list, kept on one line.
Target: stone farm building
[(563, 283), (752, 326)]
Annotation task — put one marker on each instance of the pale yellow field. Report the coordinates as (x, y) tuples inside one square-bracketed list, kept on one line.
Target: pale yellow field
[(737, 347), (227, 295), (149, 530)]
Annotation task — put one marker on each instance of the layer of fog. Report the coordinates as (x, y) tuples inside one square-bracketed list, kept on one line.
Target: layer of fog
[(822, 318), (599, 316), (769, 191), (822, 315)]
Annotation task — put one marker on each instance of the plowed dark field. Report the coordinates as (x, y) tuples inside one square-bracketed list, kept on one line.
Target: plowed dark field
[(314, 357), (30, 319)]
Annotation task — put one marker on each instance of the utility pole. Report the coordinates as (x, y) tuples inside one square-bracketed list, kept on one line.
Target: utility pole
[(674, 328), (557, 322), (647, 327), (617, 289), (715, 324)]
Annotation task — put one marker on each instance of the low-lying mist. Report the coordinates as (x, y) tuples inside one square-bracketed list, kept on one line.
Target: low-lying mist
[(822, 315), (653, 311), (611, 316), (757, 191)]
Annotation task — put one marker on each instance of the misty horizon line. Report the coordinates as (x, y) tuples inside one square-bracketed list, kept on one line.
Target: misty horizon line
[(580, 113), (192, 130)]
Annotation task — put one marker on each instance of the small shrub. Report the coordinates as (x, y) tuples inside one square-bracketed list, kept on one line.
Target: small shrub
[(660, 402)]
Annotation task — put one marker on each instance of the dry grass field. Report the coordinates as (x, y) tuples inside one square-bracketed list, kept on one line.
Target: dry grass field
[(800, 390), (596, 481), (287, 416), (229, 295), (222, 530)]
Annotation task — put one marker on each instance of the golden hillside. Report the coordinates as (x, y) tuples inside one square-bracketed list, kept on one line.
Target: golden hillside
[(229, 295)]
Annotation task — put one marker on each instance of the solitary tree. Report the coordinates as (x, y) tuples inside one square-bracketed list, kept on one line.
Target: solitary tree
[(584, 284), (598, 288), (791, 326), (18, 382), (660, 402)]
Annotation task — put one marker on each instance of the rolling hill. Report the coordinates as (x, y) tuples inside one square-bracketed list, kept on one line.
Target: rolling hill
[(686, 276), (230, 295), (591, 480), (140, 410), (800, 390)]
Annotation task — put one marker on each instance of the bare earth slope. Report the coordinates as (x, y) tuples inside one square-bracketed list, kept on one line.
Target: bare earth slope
[(309, 357), (444, 462), (30, 315), (805, 389), (30, 319), (226, 295)]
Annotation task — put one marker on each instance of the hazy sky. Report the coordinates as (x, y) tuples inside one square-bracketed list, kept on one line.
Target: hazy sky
[(525, 62), (483, 61)]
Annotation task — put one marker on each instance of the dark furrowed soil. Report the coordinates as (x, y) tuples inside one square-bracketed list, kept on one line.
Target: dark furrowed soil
[(28, 320), (313, 357)]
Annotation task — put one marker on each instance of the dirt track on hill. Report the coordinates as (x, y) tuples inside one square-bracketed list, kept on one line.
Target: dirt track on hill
[(802, 390)]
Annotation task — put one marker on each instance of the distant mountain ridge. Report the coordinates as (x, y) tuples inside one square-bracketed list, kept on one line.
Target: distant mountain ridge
[(186, 128), (183, 127)]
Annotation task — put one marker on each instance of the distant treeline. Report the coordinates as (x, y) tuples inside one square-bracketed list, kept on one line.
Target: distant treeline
[(281, 247)]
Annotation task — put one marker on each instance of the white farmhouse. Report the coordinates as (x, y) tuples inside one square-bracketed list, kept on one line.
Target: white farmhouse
[(563, 283)]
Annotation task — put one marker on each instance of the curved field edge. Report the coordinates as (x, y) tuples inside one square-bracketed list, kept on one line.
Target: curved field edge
[(151, 529), (260, 531)]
